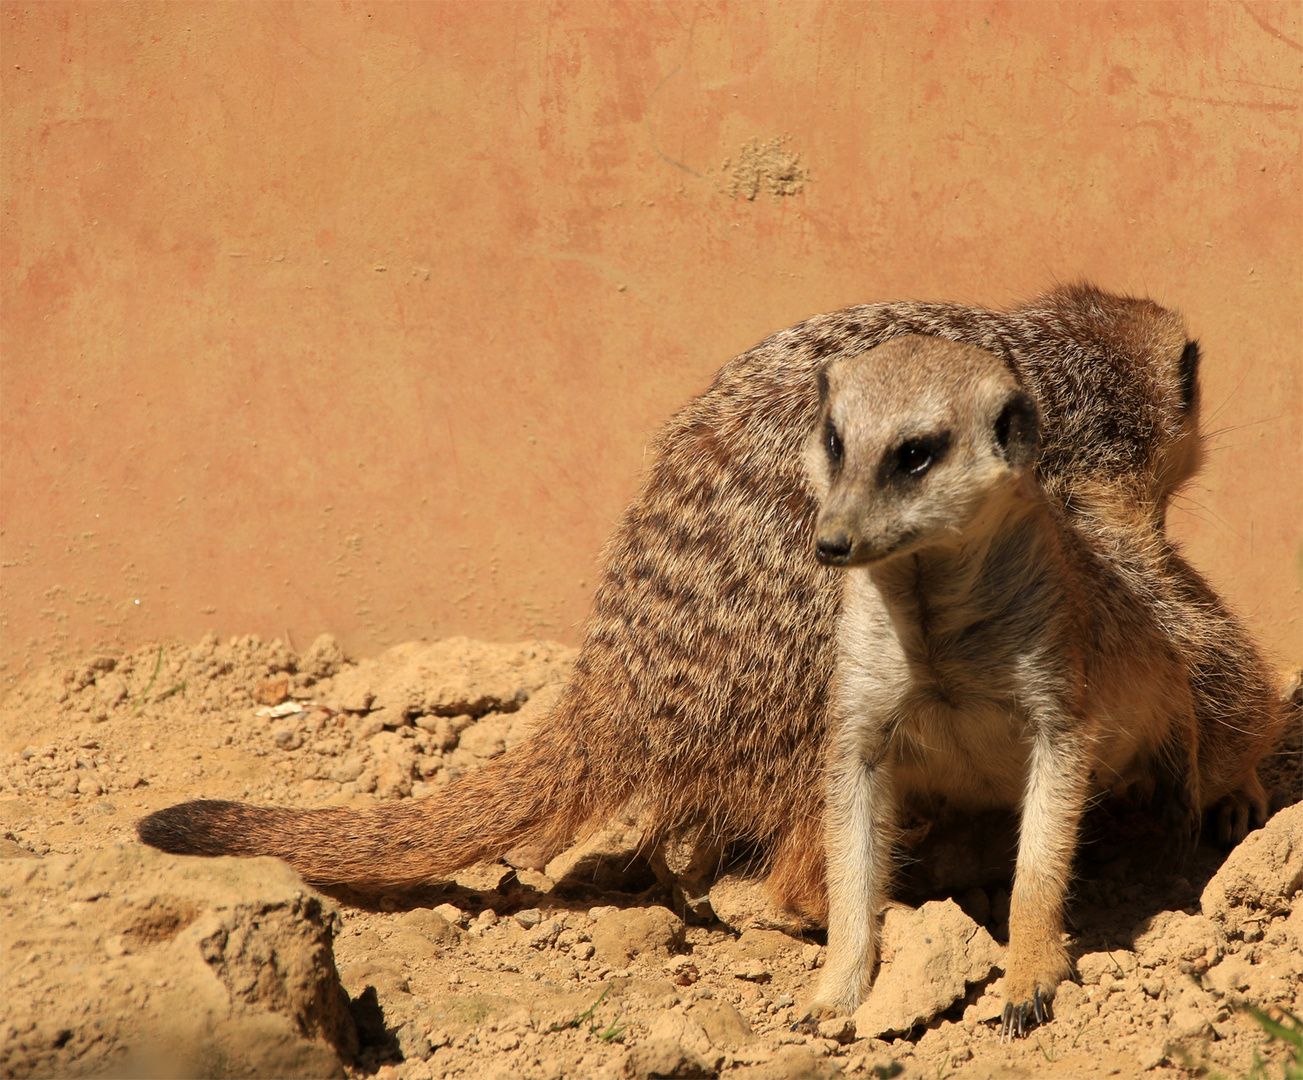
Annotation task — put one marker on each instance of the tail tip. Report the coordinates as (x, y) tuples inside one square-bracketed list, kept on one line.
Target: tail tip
[(185, 829)]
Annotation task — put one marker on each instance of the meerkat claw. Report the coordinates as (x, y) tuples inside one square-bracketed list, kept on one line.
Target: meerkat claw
[(1017, 1020)]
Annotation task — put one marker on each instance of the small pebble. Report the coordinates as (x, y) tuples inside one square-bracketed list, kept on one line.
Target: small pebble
[(529, 917)]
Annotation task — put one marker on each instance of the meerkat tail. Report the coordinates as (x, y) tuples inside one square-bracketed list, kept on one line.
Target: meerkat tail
[(534, 794)]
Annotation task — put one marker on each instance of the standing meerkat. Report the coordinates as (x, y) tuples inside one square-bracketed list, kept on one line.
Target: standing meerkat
[(700, 695), (988, 655)]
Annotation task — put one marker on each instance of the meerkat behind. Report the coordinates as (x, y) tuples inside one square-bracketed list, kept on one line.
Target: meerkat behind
[(707, 588), (986, 655)]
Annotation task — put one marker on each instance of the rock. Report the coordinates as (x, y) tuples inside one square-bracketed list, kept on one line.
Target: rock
[(930, 956), (210, 967), (724, 1026), (990, 1005), (1189, 1024), (1232, 974), (452, 914), (793, 1063), (676, 1046), (741, 903), (352, 691), (272, 690), (1118, 962), (840, 1029), (528, 918), (544, 935), (1068, 996), (1151, 1054), (533, 879), (412, 1043), (662, 1058), (487, 739), (764, 945), (610, 859), (112, 689), (619, 937), (323, 659), (394, 764), (349, 770), (1264, 872), (686, 857), (431, 924), (753, 955), (392, 780), (445, 729), (456, 677), (377, 978), (1175, 937)]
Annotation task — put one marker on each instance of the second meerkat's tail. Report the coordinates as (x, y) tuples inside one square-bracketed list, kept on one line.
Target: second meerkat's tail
[(535, 794)]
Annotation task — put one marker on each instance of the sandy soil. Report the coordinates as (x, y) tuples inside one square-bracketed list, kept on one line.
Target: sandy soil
[(595, 966)]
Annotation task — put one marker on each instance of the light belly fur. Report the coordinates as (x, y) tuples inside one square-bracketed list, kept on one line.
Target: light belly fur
[(970, 757)]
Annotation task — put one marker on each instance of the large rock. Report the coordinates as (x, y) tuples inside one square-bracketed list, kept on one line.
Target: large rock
[(1262, 873), (456, 677), (675, 1046), (929, 959), (612, 858), (135, 963), (650, 931), (741, 903), (1175, 937)]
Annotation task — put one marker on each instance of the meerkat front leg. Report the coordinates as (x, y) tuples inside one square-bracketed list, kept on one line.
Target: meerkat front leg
[(859, 832), (1053, 801)]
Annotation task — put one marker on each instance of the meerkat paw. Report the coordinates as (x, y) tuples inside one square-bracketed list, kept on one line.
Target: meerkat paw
[(815, 1015), (1029, 989), (1240, 811)]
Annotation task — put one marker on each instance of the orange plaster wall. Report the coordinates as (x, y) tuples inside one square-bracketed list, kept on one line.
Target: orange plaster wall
[(358, 317)]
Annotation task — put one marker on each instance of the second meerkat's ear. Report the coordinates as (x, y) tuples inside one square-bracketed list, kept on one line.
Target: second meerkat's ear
[(1017, 429), (821, 380)]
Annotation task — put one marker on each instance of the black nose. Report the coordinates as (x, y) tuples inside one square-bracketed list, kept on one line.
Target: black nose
[(833, 550)]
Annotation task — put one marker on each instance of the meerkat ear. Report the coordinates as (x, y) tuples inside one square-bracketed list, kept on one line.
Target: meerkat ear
[(1188, 370), (1017, 429)]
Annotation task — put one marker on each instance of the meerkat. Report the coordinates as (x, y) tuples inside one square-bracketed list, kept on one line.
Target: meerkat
[(988, 654), (700, 695)]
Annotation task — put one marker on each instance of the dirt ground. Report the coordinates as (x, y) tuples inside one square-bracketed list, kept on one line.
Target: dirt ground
[(595, 965)]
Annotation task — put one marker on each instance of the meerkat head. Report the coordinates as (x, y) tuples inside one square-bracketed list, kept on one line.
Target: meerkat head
[(918, 441), (1117, 382)]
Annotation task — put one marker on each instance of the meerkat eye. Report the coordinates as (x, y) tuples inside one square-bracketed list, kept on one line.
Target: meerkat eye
[(914, 457), (833, 442)]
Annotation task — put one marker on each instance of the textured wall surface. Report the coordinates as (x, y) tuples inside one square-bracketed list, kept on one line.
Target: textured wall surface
[(358, 317)]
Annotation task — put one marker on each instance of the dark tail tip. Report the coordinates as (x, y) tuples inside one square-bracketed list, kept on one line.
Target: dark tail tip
[(201, 827)]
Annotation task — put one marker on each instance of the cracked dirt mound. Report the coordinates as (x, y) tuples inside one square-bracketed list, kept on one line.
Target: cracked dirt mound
[(123, 961)]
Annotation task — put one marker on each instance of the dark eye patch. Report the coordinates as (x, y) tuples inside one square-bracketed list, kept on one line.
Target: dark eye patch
[(914, 457)]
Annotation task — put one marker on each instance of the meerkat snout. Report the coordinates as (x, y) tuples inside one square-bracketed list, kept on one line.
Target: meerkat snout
[(833, 546)]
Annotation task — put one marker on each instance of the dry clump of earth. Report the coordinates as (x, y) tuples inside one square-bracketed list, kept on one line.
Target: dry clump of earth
[(120, 960)]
